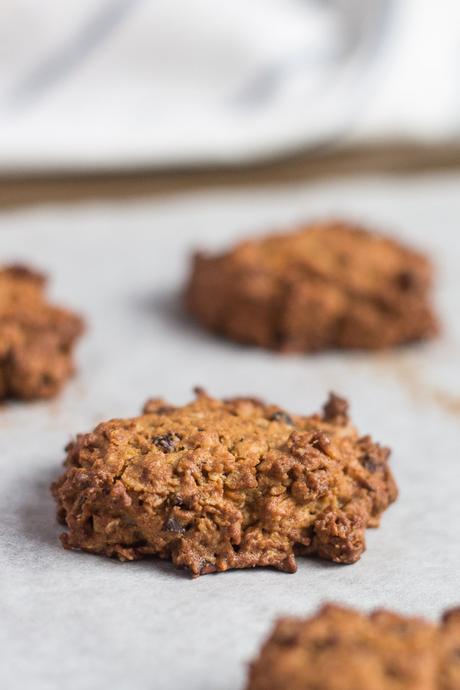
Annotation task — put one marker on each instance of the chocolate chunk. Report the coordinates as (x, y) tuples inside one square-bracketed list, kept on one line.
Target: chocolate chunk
[(167, 442), (283, 417), (406, 280), (173, 525), (369, 463), (287, 638), (207, 568), (175, 500)]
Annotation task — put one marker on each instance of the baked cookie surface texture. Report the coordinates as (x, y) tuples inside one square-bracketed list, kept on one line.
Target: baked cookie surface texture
[(324, 285), (36, 337), (219, 484), (342, 649)]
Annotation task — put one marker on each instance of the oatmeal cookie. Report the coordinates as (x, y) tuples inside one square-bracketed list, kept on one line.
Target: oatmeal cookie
[(341, 649), (325, 285), (219, 484), (36, 338)]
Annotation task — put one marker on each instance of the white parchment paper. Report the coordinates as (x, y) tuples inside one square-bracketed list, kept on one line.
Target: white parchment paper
[(79, 622)]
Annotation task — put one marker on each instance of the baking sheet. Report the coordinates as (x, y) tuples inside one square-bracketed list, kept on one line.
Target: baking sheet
[(80, 622)]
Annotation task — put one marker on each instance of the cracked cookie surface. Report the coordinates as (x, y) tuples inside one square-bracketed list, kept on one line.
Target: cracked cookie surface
[(219, 484), (36, 338), (342, 649), (324, 285)]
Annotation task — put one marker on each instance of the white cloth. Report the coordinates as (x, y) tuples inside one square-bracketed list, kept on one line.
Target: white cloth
[(129, 83)]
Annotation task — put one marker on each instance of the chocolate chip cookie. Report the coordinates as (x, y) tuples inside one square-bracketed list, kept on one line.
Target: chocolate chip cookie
[(219, 484), (342, 649), (36, 338), (324, 285)]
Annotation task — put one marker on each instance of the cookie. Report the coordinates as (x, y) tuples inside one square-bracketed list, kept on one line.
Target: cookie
[(342, 649), (325, 285), (36, 338), (219, 484)]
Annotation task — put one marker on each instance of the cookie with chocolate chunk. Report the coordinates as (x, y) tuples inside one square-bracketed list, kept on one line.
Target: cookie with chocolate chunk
[(36, 337), (219, 484), (342, 649), (324, 285)]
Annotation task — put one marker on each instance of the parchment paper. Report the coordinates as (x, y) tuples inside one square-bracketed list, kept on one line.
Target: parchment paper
[(79, 622)]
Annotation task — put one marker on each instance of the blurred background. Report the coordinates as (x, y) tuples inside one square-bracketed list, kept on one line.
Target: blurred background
[(136, 96)]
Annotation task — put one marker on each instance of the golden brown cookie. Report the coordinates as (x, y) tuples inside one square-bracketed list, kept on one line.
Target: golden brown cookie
[(341, 649), (36, 338), (225, 484), (324, 285)]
